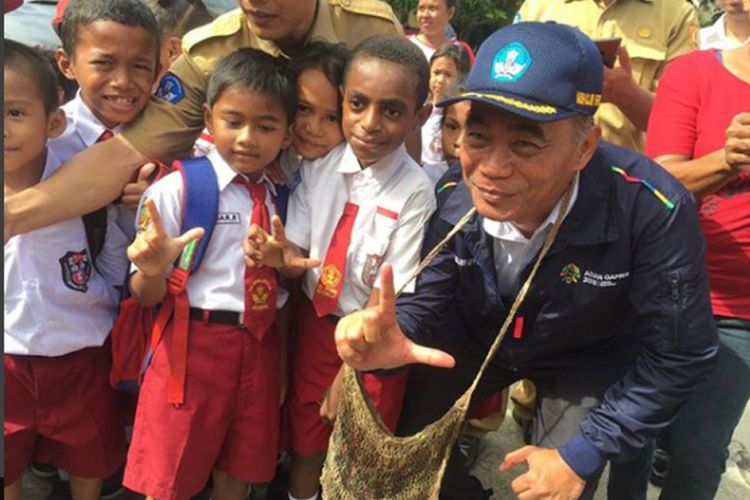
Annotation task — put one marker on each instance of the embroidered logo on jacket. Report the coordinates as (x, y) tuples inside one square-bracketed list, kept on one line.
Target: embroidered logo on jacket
[(170, 89), (570, 274), (76, 270)]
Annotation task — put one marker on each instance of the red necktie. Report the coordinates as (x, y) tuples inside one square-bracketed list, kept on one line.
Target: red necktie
[(260, 282), (106, 135), (331, 279)]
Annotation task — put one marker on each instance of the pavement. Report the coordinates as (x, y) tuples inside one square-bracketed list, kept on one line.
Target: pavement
[(735, 484)]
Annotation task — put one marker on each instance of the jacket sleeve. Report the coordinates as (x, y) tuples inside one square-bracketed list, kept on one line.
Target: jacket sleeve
[(669, 311), (419, 313)]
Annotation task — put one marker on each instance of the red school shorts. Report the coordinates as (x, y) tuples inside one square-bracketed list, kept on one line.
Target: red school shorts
[(315, 364), (62, 410), (229, 420)]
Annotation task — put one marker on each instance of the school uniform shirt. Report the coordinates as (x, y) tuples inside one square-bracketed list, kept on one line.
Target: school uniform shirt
[(56, 302), (219, 282), (82, 131), (395, 202), (715, 37)]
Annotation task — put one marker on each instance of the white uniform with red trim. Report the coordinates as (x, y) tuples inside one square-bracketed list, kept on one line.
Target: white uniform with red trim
[(395, 200), (55, 301)]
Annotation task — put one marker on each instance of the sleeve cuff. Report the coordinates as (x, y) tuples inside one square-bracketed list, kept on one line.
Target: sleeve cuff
[(583, 457)]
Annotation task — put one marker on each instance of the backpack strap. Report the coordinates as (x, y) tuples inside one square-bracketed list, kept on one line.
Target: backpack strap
[(281, 200), (200, 207), (95, 226)]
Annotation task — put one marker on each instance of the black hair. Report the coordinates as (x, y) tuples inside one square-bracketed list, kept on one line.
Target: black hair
[(177, 17), (82, 13), (329, 58), (455, 53), (68, 86), (251, 69), (397, 50), (449, 3), (32, 64)]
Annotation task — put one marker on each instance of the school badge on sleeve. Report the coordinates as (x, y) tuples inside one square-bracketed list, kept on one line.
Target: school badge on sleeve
[(170, 89), (76, 270)]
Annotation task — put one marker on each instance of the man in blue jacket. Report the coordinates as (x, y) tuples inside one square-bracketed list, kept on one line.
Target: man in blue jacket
[(616, 328)]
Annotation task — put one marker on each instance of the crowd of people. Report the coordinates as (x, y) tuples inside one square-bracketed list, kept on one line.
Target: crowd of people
[(208, 214)]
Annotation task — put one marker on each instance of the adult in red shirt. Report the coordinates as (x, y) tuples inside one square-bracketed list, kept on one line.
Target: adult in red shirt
[(699, 130)]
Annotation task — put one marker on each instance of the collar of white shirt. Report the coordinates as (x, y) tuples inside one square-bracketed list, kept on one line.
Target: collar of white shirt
[(509, 232), (715, 36), (381, 170), (225, 174), (87, 124)]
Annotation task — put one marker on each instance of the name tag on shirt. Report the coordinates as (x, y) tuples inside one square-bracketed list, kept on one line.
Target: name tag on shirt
[(228, 218)]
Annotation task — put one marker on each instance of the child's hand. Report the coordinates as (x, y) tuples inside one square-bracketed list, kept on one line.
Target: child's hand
[(132, 192), (331, 398), (262, 249), (154, 251)]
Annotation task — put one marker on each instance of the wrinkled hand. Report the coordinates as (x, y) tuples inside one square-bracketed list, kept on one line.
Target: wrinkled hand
[(371, 339), (154, 251), (618, 81), (132, 192), (737, 146), (331, 398), (262, 249), (548, 477)]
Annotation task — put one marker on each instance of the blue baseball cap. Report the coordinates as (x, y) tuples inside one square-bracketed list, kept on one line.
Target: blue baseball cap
[(542, 71)]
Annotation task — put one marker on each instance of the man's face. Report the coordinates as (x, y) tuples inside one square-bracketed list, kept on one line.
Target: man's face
[(379, 108), (285, 22), (516, 168)]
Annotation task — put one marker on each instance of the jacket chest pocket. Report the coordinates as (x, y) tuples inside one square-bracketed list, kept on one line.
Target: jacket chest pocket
[(374, 245), (647, 56)]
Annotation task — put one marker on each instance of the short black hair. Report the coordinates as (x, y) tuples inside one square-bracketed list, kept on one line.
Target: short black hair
[(251, 69), (177, 17), (329, 58), (457, 54), (81, 13), (32, 64), (397, 50)]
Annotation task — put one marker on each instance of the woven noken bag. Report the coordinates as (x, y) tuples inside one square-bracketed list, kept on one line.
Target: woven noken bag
[(366, 461)]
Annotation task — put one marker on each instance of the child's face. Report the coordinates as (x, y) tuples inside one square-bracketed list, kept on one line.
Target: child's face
[(317, 126), (380, 108), (443, 72), (115, 66), (249, 129), (26, 123), (453, 125)]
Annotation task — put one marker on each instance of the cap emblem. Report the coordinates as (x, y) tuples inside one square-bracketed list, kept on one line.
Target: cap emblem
[(511, 62)]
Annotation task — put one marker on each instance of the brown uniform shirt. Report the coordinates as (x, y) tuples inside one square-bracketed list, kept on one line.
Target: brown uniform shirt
[(170, 124), (653, 31)]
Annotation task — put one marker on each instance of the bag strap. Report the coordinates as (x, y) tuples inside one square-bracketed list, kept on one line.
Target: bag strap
[(200, 207)]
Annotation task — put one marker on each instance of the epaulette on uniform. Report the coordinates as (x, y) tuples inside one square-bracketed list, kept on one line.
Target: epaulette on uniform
[(225, 25), (373, 8)]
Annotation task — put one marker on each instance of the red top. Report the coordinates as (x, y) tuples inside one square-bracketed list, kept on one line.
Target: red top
[(694, 105)]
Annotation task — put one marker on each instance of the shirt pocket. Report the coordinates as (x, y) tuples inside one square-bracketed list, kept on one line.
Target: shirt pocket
[(647, 55), (375, 244)]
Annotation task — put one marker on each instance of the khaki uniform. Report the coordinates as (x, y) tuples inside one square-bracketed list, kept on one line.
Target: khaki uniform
[(653, 31), (167, 130)]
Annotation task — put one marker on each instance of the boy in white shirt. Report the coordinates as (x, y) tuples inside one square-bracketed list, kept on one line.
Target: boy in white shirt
[(225, 418), (365, 203), (111, 49), (59, 308)]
